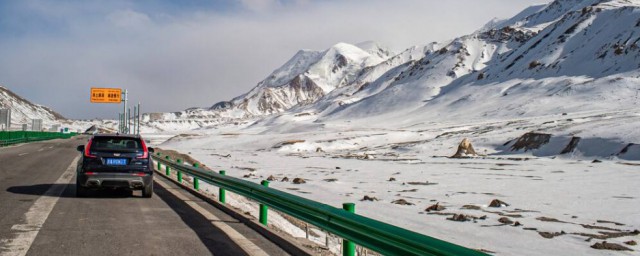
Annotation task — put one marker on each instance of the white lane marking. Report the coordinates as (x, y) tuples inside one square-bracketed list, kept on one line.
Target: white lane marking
[(22, 154), (36, 216), (244, 243)]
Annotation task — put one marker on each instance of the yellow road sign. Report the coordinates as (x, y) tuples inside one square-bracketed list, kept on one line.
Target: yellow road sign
[(106, 95)]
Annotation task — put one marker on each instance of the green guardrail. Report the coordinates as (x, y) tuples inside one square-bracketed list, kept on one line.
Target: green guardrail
[(15, 137), (369, 233)]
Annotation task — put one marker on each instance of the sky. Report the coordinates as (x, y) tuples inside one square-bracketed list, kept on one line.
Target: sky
[(173, 55)]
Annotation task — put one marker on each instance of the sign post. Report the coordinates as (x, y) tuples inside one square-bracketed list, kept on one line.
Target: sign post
[(124, 117), (117, 95), (110, 95)]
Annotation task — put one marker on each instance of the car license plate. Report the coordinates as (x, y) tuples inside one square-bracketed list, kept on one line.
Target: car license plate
[(116, 161)]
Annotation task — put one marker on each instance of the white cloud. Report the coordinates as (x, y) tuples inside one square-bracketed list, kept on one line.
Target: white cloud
[(129, 19)]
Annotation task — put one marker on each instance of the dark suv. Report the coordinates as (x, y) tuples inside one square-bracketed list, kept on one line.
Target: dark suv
[(115, 161)]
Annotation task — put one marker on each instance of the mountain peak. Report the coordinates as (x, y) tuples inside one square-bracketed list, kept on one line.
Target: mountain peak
[(376, 49), (298, 64)]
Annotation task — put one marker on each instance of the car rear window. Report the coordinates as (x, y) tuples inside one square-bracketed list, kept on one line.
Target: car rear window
[(116, 144)]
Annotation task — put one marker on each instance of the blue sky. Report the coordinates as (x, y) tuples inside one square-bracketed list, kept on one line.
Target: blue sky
[(173, 55)]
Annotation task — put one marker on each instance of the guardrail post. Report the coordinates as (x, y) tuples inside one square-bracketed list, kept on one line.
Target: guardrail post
[(263, 208), (348, 247), (222, 194), (179, 161), (196, 182), (167, 168)]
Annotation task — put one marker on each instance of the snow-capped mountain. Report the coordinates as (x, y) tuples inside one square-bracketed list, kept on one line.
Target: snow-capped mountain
[(569, 55), (578, 55), (307, 77), (304, 79), (23, 111)]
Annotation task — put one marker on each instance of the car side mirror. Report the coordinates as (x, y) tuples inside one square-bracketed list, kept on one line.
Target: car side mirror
[(80, 148), (151, 150)]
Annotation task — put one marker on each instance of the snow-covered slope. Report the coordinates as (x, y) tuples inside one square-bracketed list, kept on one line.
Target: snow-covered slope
[(23, 111), (566, 56), (579, 40)]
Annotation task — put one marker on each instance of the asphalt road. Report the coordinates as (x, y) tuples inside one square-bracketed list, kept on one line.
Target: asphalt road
[(40, 215)]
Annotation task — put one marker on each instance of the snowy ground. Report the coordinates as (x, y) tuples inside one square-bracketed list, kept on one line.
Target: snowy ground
[(546, 192)]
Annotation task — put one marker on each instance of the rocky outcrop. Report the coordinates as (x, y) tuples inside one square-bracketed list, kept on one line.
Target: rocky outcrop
[(530, 141), (465, 149)]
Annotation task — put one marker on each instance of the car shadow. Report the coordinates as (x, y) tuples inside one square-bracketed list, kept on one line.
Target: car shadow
[(69, 191), (216, 240)]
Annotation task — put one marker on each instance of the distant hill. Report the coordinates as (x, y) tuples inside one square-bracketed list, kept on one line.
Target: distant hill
[(23, 111)]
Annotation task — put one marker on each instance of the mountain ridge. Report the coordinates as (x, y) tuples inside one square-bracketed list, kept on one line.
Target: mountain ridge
[(540, 44)]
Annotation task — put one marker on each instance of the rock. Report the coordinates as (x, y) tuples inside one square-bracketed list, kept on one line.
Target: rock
[(459, 217), (271, 178), (248, 175), (330, 180), (426, 183), (571, 146), (550, 235), (505, 220), (338, 168), (299, 181), (497, 203), (534, 64), (285, 179), (319, 150), (595, 161), (369, 198), (631, 242), (547, 219), (436, 207), (517, 224), (471, 207), (392, 179), (288, 142), (530, 141), (465, 148), (609, 246), (402, 202)]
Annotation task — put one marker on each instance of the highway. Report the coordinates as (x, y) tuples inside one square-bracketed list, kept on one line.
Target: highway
[(40, 215)]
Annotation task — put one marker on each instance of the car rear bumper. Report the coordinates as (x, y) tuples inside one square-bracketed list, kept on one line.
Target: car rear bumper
[(114, 180)]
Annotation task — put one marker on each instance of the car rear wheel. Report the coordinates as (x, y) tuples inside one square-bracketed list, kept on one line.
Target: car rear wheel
[(147, 191)]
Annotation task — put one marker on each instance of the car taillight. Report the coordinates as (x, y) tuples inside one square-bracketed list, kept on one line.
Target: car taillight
[(87, 153), (145, 152), (89, 173), (140, 174)]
